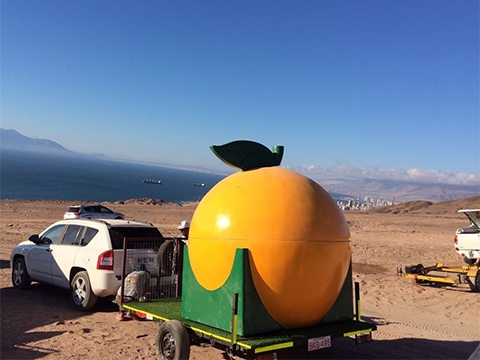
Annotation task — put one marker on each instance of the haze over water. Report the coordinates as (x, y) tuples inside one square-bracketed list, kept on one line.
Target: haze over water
[(42, 176)]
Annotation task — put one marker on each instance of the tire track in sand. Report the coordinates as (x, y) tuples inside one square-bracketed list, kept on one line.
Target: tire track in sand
[(416, 326)]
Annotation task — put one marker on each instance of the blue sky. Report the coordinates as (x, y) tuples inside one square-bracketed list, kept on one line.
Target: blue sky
[(364, 87)]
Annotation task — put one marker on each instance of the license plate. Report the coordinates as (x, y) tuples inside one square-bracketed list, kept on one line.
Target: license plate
[(319, 343)]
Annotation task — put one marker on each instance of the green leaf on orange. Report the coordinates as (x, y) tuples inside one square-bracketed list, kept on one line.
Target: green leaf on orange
[(247, 155)]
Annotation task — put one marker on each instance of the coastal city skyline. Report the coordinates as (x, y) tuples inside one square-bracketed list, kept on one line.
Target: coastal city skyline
[(374, 90)]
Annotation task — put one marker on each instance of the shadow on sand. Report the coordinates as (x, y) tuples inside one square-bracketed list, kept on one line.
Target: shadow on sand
[(37, 306), (20, 313), (408, 348)]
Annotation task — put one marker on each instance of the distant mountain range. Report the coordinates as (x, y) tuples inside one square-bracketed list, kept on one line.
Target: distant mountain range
[(12, 139), (400, 191)]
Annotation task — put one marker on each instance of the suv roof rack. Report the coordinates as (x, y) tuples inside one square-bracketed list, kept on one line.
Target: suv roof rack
[(99, 220), (104, 221), (108, 221), (142, 221)]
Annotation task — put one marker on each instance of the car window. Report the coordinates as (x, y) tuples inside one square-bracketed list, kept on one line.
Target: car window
[(52, 235), (89, 235), (118, 233), (89, 208), (103, 209), (73, 209), (73, 234)]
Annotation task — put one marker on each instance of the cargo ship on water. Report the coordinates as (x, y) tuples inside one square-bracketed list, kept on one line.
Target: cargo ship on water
[(155, 182)]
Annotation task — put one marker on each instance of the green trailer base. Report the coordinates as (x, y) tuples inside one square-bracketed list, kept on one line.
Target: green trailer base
[(170, 309)]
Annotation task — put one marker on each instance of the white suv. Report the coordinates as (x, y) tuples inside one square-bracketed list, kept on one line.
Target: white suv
[(82, 255), (91, 212)]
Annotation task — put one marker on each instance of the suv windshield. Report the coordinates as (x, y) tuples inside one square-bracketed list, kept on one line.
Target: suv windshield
[(118, 233)]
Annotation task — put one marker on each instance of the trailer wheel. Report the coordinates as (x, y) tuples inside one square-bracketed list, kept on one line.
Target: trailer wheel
[(173, 342), (474, 282)]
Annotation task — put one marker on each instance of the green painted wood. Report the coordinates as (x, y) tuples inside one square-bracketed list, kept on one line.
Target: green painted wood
[(342, 309), (214, 308), (256, 319)]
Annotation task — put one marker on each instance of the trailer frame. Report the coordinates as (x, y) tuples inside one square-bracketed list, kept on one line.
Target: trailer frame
[(465, 274), (305, 339)]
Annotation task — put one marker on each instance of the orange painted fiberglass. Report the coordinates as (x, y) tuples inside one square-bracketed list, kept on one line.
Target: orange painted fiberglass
[(298, 241)]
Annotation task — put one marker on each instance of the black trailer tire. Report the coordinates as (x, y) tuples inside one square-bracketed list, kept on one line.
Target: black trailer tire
[(165, 256), (173, 342), (20, 278), (81, 293), (474, 282)]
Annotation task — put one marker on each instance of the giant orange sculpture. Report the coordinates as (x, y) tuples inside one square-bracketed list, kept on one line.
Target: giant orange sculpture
[(297, 237)]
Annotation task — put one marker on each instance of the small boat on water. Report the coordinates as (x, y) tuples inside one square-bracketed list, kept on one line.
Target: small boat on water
[(197, 184), (156, 182)]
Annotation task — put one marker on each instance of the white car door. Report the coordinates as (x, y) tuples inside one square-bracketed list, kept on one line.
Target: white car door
[(39, 263), (40, 258), (64, 255)]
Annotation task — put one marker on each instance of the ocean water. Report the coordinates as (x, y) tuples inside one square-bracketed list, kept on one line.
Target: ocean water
[(40, 176)]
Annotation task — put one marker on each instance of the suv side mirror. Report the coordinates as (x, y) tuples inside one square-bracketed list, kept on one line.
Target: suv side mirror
[(34, 239)]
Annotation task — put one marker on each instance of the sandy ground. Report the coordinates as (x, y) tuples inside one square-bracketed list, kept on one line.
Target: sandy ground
[(414, 322)]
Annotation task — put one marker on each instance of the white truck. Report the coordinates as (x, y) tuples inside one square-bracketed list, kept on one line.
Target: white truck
[(467, 239)]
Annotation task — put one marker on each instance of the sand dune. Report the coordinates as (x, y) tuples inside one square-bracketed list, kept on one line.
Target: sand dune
[(428, 207)]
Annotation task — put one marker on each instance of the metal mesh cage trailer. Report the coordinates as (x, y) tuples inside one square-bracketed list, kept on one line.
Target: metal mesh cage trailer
[(161, 258)]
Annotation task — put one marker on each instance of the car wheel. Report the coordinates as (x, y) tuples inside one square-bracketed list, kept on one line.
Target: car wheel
[(20, 278), (118, 218), (81, 292), (173, 342)]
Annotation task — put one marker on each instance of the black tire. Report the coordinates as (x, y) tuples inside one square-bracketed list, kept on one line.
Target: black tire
[(474, 282), (173, 342), (469, 261), (81, 293), (165, 256), (20, 278)]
